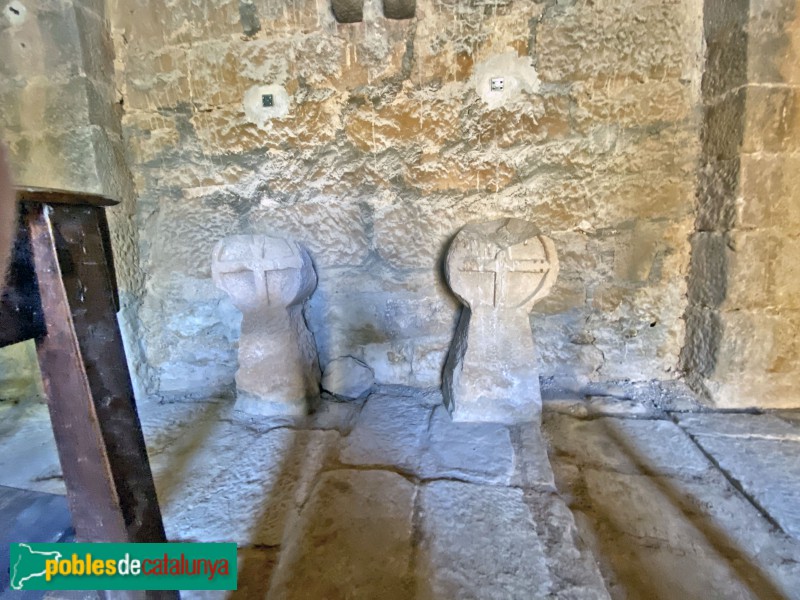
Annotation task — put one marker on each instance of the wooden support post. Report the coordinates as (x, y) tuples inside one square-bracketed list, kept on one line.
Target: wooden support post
[(110, 487)]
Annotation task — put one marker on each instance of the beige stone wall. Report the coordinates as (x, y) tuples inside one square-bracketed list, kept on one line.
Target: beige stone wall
[(59, 116), (744, 314), (387, 148)]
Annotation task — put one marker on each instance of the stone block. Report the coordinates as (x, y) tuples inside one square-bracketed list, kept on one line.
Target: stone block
[(635, 256), (774, 349), (663, 552), (498, 270), (639, 44), (769, 192), (353, 538), (772, 119), (457, 518), (157, 79), (466, 172), (60, 43), (724, 127), (539, 119), (785, 271), (161, 23), (411, 120), (531, 465), (718, 190), (303, 16), (396, 224), (753, 261), (97, 49), (630, 103), (474, 452), (149, 136), (348, 377), (390, 430), (773, 43), (238, 485), (222, 69), (269, 279), (625, 446), (759, 453), (709, 269), (727, 45), (71, 158), (754, 389), (572, 564), (703, 336)]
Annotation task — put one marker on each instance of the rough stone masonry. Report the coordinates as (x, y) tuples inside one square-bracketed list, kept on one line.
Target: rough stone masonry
[(388, 146), (382, 140)]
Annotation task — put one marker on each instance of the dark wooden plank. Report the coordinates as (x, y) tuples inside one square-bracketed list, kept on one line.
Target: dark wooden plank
[(53, 196), (20, 309), (79, 234), (92, 495)]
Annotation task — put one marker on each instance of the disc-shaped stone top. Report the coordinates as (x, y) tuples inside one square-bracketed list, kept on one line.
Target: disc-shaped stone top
[(262, 270), (505, 263)]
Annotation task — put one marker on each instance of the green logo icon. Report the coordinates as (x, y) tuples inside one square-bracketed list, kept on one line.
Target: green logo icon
[(123, 566), (29, 564)]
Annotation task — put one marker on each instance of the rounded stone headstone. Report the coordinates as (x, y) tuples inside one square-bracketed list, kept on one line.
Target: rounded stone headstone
[(498, 270), (269, 278)]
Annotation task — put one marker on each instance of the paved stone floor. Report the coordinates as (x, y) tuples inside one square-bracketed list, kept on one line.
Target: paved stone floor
[(387, 498)]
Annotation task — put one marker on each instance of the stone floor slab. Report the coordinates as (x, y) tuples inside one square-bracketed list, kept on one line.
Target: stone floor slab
[(239, 485), (625, 445), (760, 453), (353, 540), (573, 567), (453, 560), (533, 468), (477, 452), (28, 456), (390, 431)]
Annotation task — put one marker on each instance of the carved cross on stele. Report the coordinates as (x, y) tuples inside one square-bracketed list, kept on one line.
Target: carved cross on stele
[(502, 262)]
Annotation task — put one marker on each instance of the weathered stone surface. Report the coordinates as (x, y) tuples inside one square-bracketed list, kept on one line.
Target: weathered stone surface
[(28, 458), (353, 538), (498, 270), (655, 529), (476, 452), (269, 279), (227, 483), (532, 466), (755, 450), (626, 445), (390, 430), (452, 562), (749, 203), (668, 554), (348, 377), (387, 144), (19, 377)]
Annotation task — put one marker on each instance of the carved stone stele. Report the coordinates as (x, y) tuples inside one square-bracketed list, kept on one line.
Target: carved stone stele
[(498, 270), (268, 279)]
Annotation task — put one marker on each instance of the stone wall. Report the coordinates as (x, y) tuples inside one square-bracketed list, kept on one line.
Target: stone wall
[(60, 118), (381, 144), (743, 321)]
